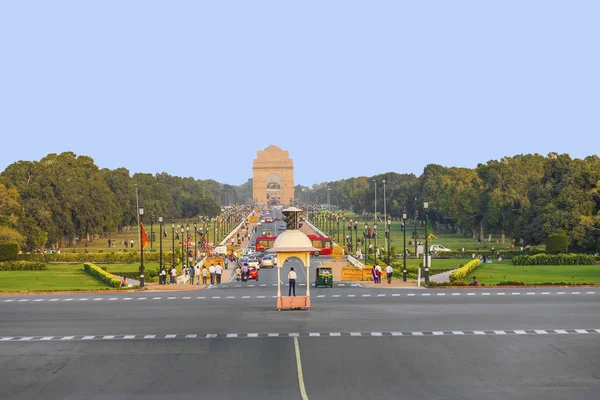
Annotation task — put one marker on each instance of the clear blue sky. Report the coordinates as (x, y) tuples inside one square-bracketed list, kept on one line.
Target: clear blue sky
[(350, 88)]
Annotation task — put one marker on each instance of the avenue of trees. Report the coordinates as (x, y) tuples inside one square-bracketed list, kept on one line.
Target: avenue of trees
[(65, 196), (525, 197)]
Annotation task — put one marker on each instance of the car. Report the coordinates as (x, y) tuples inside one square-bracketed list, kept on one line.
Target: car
[(262, 221), (253, 273), (268, 220), (436, 248), (253, 261), (282, 227), (269, 260), (259, 223)]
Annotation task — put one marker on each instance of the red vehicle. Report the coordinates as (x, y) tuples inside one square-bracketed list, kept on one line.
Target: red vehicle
[(269, 220), (322, 243), (253, 273)]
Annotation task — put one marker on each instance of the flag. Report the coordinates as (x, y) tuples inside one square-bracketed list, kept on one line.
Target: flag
[(143, 235)]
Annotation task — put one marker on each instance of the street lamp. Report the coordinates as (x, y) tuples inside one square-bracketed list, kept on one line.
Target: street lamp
[(344, 226), (172, 244), (337, 220), (426, 207), (374, 240), (365, 238), (160, 222), (195, 241), (182, 231), (389, 237), (404, 223), (187, 240), (141, 251)]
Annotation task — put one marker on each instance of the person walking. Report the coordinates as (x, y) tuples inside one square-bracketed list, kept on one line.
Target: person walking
[(219, 272), (212, 271), (192, 273), (292, 281), (379, 273), (374, 273), (226, 262), (389, 271), (197, 273), (204, 275), (173, 274), (163, 276)]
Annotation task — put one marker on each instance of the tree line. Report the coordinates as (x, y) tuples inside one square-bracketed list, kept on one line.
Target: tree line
[(525, 197), (65, 196)]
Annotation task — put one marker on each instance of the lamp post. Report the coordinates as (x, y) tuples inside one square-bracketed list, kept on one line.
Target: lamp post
[(389, 237), (160, 222), (195, 241), (344, 226), (172, 244), (415, 231), (374, 240), (141, 252), (187, 240), (426, 207), (365, 238), (355, 233), (151, 230), (182, 243), (337, 220), (404, 222)]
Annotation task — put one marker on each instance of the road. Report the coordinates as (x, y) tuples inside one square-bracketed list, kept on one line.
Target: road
[(229, 342)]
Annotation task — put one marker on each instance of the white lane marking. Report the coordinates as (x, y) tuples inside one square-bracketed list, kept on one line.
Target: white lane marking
[(500, 294), (417, 333), (590, 292), (545, 292), (470, 294), (191, 336), (252, 335), (171, 298), (216, 297), (170, 336), (113, 298), (67, 299), (245, 297), (458, 333), (424, 294), (156, 298), (351, 295), (107, 337), (260, 297), (397, 334), (273, 297), (250, 285), (500, 332), (335, 334), (299, 367), (516, 293), (129, 337), (381, 295), (314, 334), (410, 294), (129, 298), (485, 294), (201, 297), (4, 339), (83, 299), (231, 297), (335, 295), (186, 298), (273, 334), (8, 301), (561, 331), (437, 333), (39, 300), (26, 338), (366, 295), (541, 332), (149, 336), (394, 294), (455, 294), (519, 332), (52, 337), (355, 334), (560, 292), (211, 335), (53, 300), (67, 338), (263, 285), (88, 337), (294, 334), (441, 294), (376, 334), (581, 331), (26, 300), (478, 332), (98, 299), (530, 293), (232, 335), (575, 292)]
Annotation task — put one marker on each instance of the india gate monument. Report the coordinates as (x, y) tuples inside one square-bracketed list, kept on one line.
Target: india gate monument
[(273, 176)]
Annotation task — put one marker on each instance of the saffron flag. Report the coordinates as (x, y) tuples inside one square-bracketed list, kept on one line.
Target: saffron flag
[(143, 235)]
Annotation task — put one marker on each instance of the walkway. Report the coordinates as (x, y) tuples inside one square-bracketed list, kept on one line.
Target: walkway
[(443, 277)]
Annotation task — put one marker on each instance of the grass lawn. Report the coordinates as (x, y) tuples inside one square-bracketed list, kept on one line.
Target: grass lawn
[(56, 277), (491, 274)]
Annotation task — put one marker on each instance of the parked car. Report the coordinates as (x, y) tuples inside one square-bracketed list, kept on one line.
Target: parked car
[(437, 248)]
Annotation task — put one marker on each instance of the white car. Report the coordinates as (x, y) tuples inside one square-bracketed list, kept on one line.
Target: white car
[(269, 261), (253, 262), (436, 248)]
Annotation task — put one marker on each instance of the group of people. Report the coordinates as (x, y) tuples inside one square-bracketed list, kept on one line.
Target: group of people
[(192, 274), (377, 273)]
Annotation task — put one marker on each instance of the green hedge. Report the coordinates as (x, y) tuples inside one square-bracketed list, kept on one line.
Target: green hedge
[(22, 266), (557, 243), (507, 254), (104, 276), (461, 273), (559, 283), (97, 257), (9, 251), (555, 259)]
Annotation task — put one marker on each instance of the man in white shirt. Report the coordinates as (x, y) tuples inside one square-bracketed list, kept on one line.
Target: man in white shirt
[(219, 271), (212, 271), (292, 281), (389, 271), (378, 268), (197, 273)]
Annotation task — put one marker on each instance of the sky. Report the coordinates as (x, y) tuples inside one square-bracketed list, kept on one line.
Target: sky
[(349, 88)]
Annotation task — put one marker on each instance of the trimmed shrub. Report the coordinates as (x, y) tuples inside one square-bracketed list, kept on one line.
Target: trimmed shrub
[(22, 266), (461, 273), (555, 259), (9, 251), (104, 276), (557, 243), (104, 258)]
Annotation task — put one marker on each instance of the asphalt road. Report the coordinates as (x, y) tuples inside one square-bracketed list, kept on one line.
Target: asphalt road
[(229, 342)]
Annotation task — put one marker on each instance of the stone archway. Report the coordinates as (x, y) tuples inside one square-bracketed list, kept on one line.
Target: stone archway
[(273, 176)]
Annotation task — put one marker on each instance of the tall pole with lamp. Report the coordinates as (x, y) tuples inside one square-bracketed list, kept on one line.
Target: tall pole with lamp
[(426, 208), (195, 240), (160, 222), (404, 223), (172, 244), (182, 231), (389, 234), (141, 212)]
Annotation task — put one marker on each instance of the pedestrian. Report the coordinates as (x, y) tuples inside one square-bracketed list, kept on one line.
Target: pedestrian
[(374, 273), (378, 271), (292, 281), (219, 272), (475, 282), (131, 243), (389, 271), (109, 243), (245, 272), (192, 273), (163, 276), (173, 274), (197, 273), (212, 271), (226, 262), (204, 275), (184, 273)]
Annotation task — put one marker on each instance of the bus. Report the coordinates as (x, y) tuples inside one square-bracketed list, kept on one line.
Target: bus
[(322, 243)]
